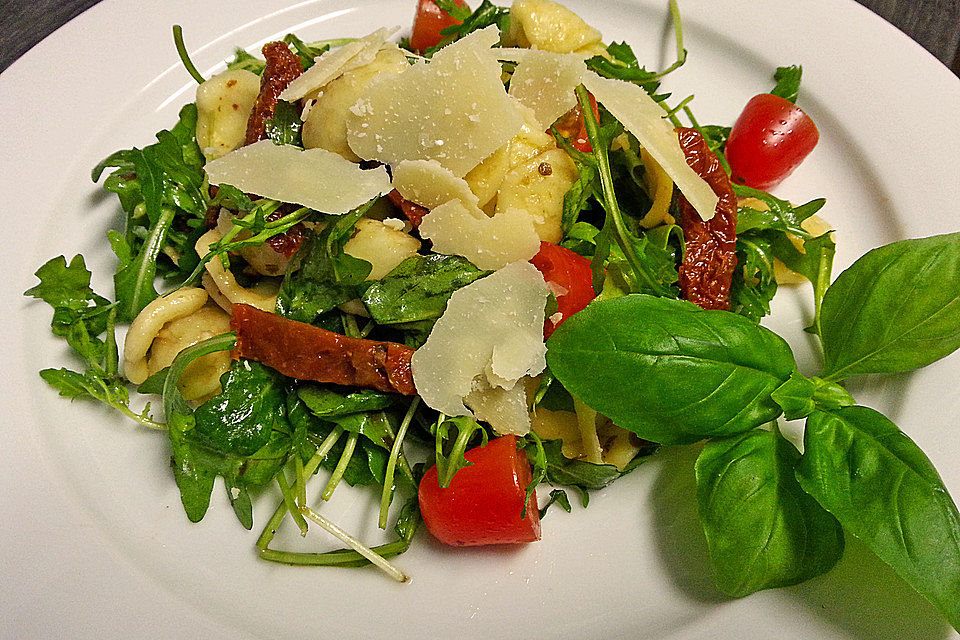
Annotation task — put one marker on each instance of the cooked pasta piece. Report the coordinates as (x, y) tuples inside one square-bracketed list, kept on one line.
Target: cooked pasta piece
[(201, 378), (382, 245), (263, 297), (224, 103), (326, 123), (546, 25), (538, 187)]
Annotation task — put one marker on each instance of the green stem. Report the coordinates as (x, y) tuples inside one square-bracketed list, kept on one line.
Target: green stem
[(678, 32), (270, 530), (352, 542), (290, 502), (387, 496), (184, 56), (600, 151), (348, 449)]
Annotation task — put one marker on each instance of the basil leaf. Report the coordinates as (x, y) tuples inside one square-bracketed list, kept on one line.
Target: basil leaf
[(882, 488), (418, 288), (895, 309), (669, 371), (800, 396), (762, 530)]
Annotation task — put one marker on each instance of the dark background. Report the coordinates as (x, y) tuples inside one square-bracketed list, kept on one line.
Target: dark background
[(935, 24)]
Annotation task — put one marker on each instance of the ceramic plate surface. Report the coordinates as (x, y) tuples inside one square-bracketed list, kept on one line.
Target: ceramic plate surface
[(95, 541)]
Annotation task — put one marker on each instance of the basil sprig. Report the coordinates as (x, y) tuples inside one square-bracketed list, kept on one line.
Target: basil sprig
[(674, 374)]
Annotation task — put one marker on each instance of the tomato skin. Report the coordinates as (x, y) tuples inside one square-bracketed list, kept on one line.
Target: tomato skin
[(769, 140), (572, 126), (483, 502), (570, 271), (428, 23)]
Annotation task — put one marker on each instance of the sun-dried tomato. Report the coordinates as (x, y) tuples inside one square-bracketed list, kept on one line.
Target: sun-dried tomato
[(282, 67), (288, 242), (710, 256), (412, 210), (303, 351)]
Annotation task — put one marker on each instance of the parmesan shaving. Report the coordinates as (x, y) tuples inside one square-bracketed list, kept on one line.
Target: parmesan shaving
[(545, 82), (644, 118), (428, 184), (314, 178), (489, 243), (503, 409), (490, 336), (331, 64), (453, 109)]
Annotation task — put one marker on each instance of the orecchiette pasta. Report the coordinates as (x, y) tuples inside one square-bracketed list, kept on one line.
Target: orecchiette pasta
[(148, 324), (382, 245), (538, 187), (263, 297), (201, 378), (546, 25), (326, 123), (224, 103), (167, 326), (609, 444)]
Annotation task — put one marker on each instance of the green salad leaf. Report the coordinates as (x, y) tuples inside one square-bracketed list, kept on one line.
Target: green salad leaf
[(882, 488), (763, 531), (669, 371)]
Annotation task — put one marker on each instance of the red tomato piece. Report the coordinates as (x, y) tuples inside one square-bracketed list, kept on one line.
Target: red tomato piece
[(769, 140), (572, 278), (483, 502), (572, 126), (428, 23)]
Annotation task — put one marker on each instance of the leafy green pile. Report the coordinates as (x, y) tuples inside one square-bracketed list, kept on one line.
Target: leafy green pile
[(660, 367)]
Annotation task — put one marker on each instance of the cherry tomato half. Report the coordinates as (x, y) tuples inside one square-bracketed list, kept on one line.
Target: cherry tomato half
[(483, 502), (428, 23), (572, 278), (770, 138)]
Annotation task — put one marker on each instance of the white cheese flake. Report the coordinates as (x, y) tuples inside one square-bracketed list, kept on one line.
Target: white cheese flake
[(453, 109), (427, 183), (333, 63), (644, 118), (545, 82), (503, 409), (489, 337), (488, 242), (314, 178)]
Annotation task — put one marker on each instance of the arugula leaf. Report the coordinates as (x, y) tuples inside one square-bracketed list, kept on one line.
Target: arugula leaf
[(285, 126), (450, 450), (306, 52), (882, 488), (324, 276), (247, 61), (327, 403), (239, 420), (763, 531), (418, 288), (578, 474), (485, 15), (754, 284), (623, 65), (680, 375), (80, 316), (788, 82), (156, 185), (895, 309)]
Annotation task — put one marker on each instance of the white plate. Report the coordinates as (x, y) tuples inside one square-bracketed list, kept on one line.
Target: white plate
[(95, 543)]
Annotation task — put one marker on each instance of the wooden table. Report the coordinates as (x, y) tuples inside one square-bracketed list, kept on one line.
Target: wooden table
[(935, 24)]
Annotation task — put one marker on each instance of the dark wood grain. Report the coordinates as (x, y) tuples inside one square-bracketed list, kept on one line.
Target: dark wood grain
[(935, 24)]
